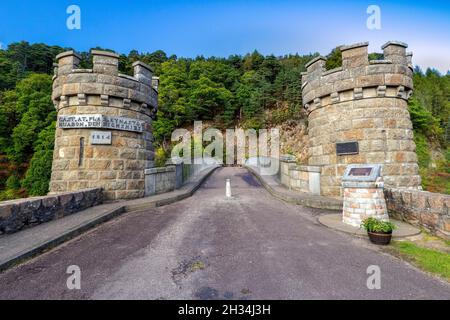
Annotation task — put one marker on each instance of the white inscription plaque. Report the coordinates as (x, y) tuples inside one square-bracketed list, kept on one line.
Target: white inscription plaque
[(101, 122), (101, 137)]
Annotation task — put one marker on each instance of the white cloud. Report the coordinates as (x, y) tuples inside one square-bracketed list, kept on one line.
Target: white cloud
[(431, 55)]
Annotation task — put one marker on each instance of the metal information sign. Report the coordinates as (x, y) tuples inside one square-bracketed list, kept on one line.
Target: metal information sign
[(362, 172), (347, 148), (101, 122)]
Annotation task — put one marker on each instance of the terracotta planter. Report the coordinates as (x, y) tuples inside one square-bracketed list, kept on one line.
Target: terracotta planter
[(380, 238)]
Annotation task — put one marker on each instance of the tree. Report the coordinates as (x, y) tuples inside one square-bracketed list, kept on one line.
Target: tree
[(9, 72), (37, 177), (334, 59), (34, 110)]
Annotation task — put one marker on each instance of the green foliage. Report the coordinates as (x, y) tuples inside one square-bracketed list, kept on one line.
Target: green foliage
[(437, 262), (422, 149), (37, 57), (160, 157), (9, 71), (432, 96), (424, 121), (34, 110), (334, 59), (372, 224), (37, 177), (13, 182)]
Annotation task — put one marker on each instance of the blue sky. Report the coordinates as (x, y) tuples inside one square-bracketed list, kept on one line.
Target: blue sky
[(220, 28)]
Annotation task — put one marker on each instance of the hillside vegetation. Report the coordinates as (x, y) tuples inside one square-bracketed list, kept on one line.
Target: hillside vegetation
[(251, 91)]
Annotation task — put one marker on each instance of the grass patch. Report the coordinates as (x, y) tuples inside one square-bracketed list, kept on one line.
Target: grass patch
[(429, 260)]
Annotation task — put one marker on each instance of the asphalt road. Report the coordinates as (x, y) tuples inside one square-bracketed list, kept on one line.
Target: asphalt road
[(207, 247)]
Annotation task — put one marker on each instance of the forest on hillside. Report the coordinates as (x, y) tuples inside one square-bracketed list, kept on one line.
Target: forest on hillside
[(250, 91)]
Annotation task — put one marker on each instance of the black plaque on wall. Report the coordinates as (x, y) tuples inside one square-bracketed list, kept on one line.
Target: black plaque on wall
[(346, 148)]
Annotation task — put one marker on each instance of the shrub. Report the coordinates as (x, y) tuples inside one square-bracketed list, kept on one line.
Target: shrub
[(376, 225), (160, 157), (422, 150), (37, 177), (13, 183)]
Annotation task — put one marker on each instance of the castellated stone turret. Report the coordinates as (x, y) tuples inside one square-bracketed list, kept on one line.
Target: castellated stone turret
[(104, 129), (358, 114)]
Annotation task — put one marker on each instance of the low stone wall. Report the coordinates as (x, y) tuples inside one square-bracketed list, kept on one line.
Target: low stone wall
[(173, 176), (160, 180), (300, 178), (16, 215), (420, 208)]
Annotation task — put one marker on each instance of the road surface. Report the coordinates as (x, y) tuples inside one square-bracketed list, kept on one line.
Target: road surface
[(207, 247)]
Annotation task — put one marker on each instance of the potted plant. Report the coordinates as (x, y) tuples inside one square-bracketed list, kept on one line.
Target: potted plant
[(379, 231)]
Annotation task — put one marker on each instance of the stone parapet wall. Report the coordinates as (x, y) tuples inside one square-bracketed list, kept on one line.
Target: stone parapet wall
[(16, 215), (425, 209), (173, 176), (298, 177), (365, 102), (118, 166), (160, 180)]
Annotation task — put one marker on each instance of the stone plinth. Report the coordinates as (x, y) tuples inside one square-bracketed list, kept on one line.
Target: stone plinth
[(363, 200), (363, 194), (104, 131)]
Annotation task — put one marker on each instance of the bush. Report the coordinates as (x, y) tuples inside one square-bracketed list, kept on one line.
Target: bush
[(37, 177), (160, 157), (375, 225), (13, 183), (422, 150)]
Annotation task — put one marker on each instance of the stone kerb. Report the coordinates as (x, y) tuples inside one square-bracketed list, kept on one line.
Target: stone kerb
[(391, 77)]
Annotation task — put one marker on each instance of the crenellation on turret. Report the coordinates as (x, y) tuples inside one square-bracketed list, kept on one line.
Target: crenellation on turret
[(357, 72), (67, 61), (105, 62), (155, 83), (143, 72), (316, 65), (355, 55), (395, 51)]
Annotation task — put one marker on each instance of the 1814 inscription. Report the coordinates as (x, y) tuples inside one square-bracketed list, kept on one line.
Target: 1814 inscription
[(101, 122)]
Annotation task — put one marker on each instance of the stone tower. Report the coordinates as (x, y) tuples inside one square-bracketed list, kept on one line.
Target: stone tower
[(358, 114), (104, 129)]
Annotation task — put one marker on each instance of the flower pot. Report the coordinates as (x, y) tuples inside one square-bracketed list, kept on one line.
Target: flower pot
[(380, 238)]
